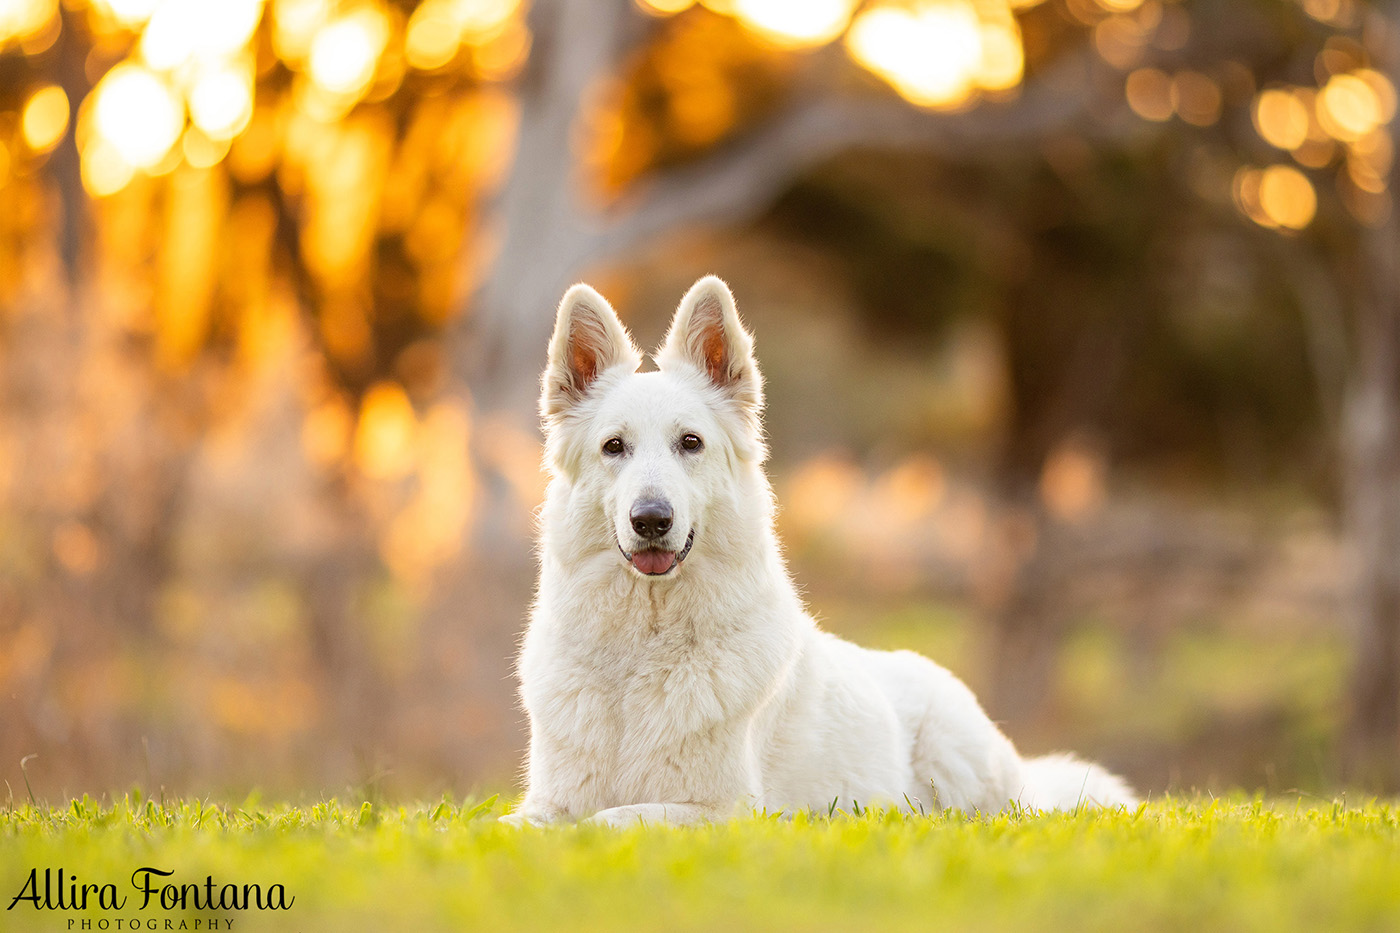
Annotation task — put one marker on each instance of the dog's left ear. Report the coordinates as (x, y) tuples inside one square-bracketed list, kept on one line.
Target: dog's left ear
[(706, 333)]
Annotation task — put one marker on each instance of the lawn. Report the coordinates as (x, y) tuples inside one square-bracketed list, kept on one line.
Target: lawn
[(1197, 865)]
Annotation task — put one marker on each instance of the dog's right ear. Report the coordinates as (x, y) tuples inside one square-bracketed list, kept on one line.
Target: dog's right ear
[(588, 341)]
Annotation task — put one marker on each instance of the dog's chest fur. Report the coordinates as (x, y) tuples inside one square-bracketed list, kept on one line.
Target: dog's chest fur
[(643, 696)]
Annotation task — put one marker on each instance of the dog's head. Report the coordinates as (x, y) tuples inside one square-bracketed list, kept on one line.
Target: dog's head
[(656, 458)]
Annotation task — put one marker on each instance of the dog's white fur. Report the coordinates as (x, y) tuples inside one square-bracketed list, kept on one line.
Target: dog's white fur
[(708, 690)]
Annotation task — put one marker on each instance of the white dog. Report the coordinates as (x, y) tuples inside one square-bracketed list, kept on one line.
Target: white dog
[(670, 671)]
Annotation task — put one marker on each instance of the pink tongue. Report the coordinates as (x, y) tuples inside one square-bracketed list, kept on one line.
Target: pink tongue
[(653, 561)]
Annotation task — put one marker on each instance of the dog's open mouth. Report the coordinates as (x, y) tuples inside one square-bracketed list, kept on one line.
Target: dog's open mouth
[(657, 563)]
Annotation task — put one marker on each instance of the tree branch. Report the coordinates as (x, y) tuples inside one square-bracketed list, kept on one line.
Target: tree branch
[(742, 178)]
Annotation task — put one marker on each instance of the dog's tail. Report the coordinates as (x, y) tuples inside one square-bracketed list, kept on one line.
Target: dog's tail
[(1064, 782)]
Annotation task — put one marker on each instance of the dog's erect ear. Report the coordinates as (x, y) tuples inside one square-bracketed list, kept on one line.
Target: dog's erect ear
[(707, 333), (588, 340)]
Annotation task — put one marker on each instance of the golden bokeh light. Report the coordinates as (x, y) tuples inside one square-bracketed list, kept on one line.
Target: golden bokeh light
[(1003, 57), (1384, 91), (1348, 107), (429, 531), (1277, 197), (1315, 153), (129, 14), (481, 20), (432, 38), (384, 438), (345, 52), (438, 28), (294, 26), (200, 151), (665, 7), (1281, 118), (1287, 197), (795, 23), (503, 56), (221, 102), (1150, 94), (25, 19), (138, 114), (45, 118), (1364, 175), (104, 170), (1340, 13), (1072, 484), (1119, 40), (1120, 6), (930, 54), (1197, 98), (191, 31), (326, 432)]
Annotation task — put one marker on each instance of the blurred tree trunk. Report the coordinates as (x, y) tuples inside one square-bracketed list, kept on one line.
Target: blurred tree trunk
[(64, 165), (1372, 488), (547, 234), (1371, 447)]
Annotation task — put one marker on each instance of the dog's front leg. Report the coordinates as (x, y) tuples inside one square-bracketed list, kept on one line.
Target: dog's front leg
[(676, 814), (528, 814)]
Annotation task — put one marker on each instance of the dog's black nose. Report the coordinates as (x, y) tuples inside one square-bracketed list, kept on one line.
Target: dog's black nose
[(651, 518)]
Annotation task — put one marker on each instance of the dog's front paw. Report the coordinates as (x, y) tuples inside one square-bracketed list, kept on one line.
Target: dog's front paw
[(627, 816), (666, 813), (524, 818)]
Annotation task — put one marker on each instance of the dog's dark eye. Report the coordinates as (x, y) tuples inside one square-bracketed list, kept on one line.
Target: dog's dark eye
[(691, 442), (613, 446)]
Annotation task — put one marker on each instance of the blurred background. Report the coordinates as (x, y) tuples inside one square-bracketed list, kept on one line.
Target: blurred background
[(1080, 319)]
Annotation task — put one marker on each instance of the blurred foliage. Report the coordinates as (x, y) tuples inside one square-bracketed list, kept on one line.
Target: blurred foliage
[(246, 495)]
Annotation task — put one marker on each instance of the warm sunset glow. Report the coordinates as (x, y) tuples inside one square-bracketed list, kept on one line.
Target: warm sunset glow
[(795, 23), (137, 114), (45, 118), (1281, 118), (930, 54), (345, 52), (221, 102)]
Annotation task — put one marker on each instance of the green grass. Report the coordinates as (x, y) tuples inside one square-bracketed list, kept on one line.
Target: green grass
[(1173, 865)]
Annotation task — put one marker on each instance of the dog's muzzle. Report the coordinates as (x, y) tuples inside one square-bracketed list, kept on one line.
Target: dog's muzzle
[(655, 562)]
